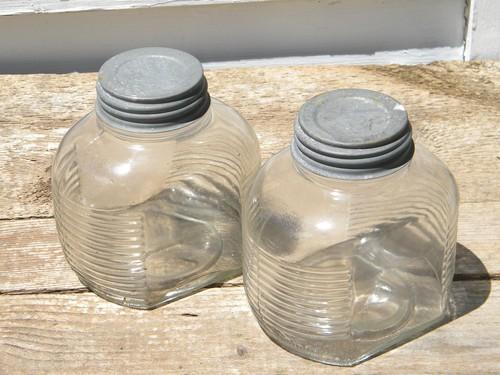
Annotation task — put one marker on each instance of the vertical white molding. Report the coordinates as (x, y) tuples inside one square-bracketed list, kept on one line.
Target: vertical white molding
[(470, 19), (483, 30)]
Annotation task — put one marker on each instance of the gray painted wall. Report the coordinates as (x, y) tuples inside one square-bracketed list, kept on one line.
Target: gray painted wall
[(81, 41)]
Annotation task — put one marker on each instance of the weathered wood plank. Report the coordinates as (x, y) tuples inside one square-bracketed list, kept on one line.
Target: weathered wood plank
[(31, 259), (453, 108), (16, 7), (214, 332), (455, 111)]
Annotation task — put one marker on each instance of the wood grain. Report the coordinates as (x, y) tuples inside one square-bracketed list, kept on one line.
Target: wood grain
[(49, 323), (214, 332), (31, 259), (453, 108)]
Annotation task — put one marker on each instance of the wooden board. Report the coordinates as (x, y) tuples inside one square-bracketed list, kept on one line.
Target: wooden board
[(453, 108), (16, 7), (214, 332), (49, 323)]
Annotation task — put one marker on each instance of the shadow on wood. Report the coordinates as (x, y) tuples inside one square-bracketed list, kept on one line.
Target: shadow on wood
[(470, 290)]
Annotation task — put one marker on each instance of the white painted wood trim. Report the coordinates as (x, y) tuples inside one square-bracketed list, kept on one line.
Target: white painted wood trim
[(16, 7), (483, 30), (405, 57), (469, 16)]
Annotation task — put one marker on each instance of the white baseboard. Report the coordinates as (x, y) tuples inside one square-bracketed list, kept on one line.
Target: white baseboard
[(404, 57)]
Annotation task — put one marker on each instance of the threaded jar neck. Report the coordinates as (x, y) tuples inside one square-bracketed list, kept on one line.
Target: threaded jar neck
[(352, 134), (150, 90)]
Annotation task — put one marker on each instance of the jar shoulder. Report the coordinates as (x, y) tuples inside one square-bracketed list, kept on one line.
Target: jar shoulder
[(129, 168), (91, 139), (426, 166), (229, 121), (106, 156), (283, 180), (313, 209), (284, 205)]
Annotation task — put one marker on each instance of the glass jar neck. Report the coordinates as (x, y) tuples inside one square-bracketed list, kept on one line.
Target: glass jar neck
[(185, 130), (349, 184)]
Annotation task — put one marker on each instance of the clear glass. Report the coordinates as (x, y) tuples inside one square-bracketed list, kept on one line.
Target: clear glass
[(338, 271), (145, 219)]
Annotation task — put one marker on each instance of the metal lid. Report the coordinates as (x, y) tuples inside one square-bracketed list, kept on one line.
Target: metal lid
[(151, 89), (352, 134)]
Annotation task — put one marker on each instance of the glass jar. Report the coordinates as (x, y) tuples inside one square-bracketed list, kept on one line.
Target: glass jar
[(349, 234), (147, 187)]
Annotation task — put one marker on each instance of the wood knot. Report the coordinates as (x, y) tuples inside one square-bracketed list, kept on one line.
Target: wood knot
[(241, 350)]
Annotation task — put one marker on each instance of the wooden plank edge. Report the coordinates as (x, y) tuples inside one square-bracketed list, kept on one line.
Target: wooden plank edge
[(83, 289), (23, 7), (31, 259), (228, 284)]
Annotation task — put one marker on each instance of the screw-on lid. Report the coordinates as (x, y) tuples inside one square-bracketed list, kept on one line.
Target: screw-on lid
[(352, 134), (151, 89)]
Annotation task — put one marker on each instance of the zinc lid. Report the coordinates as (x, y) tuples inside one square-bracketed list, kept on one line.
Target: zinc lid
[(151, 89), (352, 134)]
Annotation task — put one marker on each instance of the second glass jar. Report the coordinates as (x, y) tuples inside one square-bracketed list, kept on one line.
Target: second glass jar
[(349, 234)]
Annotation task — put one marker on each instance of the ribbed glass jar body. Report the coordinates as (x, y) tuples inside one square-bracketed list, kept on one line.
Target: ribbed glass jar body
[(144, 218), (340, 270)]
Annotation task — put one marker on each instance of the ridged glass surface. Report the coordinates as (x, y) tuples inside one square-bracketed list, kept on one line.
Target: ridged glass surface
[(338, 271), (146, 219)]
